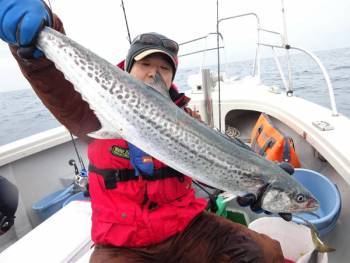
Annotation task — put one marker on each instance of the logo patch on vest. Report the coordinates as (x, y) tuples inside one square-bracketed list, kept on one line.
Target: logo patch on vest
[(147, 159), (120, 152)]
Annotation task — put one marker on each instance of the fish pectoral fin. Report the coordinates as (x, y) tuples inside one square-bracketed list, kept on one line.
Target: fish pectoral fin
[(107, 131), (104, 134)]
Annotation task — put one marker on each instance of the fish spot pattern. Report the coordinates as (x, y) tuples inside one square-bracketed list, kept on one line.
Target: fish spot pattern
[(162, 126)]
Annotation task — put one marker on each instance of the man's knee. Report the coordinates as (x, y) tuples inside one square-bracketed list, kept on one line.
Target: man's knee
[(241, 248)]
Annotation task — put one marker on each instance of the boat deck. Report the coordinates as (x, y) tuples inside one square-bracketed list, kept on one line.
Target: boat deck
[(64, 237)]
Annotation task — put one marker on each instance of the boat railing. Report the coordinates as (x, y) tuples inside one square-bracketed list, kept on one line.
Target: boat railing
[(32, 144), (287, 84), (256, 65), (256, 70), (200, 39), (317, 61)]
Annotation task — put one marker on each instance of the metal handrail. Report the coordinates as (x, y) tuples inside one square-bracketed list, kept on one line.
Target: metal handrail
[(199, 51), (321, 66), (279, 69), (256, 64), (326, 76), (288, 86), (257, 56), (198, 39)]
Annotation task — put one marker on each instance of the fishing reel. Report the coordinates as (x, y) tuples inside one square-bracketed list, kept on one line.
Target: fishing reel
[(81, 177)]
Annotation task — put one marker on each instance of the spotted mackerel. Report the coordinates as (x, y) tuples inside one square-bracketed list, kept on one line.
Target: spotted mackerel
[(143, 116)]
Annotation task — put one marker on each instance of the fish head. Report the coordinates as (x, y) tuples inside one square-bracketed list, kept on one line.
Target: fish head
[(285, 195)]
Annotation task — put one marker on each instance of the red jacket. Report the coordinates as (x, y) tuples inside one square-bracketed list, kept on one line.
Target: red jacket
[(137, 212)]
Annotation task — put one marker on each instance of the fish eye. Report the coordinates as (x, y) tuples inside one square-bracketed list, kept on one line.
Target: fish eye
[(300, 198)]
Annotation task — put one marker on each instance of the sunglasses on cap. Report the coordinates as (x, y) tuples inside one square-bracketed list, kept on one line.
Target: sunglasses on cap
[(150, 39)]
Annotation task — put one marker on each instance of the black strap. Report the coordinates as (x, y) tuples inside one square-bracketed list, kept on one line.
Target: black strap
[(287, 150), (212, 206), (112, 176), (255, 139), (268, 144)]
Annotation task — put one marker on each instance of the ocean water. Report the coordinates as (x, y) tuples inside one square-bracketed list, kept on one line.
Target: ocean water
[(22, 114)]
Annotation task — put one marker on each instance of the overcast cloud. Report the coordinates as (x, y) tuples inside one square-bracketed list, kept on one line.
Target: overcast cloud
[(100, 26)]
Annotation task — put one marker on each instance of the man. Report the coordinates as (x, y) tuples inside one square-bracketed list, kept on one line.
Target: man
[(142, 210)]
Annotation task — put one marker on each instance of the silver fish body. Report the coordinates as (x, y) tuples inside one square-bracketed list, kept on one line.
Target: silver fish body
[(152, 122)]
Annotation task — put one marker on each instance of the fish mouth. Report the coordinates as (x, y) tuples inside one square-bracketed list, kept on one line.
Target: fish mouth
[(312, 204)]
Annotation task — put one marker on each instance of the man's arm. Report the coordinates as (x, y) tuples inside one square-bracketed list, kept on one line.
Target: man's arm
[(57, 93)]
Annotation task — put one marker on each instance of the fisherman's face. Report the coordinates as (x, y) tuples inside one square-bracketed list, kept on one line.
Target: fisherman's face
[(146, 69)]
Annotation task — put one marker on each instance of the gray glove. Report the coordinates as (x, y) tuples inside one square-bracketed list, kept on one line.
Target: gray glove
[(255, 202)]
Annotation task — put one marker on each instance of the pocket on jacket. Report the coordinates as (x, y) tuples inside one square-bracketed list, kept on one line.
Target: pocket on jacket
[(120, 215)]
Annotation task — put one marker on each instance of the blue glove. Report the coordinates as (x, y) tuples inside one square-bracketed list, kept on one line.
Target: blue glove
[(255, 202), (21, 22)]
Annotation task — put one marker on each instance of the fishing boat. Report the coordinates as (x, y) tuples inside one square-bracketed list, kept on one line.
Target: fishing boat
[(235, 105), (51, 163)]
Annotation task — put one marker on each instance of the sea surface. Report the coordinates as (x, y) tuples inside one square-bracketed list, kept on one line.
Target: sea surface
[(22, 114)]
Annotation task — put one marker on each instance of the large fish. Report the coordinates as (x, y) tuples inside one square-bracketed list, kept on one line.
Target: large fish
[(151, 121)]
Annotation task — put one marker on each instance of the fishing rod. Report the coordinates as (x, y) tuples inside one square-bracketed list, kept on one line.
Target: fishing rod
[(126, 22), (49, 3), (218, 51), (77, 153), (287, 47), (81, 177)]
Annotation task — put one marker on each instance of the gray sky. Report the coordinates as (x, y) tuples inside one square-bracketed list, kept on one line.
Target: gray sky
[(100, 26)]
